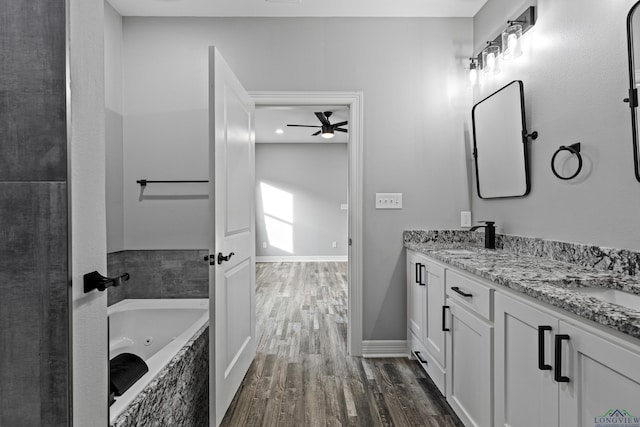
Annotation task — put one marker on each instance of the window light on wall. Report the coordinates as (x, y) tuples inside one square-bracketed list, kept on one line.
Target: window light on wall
[(506, 46)]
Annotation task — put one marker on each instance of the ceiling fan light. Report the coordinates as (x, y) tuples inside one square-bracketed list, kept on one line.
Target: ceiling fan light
[(327, 135), (327, 132)]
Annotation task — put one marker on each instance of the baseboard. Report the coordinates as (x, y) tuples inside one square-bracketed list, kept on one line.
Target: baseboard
[(382, 348), (301, 258)]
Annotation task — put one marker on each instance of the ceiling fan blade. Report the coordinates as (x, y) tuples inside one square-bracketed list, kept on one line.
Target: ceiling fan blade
[(322, 119), (305, 126), (317, 133), (335, 125), (340, 130)]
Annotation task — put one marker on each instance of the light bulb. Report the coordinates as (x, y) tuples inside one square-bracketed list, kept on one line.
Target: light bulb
[(513, 42), (491, 61), (473, 75), (327, 135)]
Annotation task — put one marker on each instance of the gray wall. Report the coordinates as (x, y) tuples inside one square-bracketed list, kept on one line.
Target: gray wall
[(34, 290), (575, 76), (314, 178), (113, 128), (415, 98)]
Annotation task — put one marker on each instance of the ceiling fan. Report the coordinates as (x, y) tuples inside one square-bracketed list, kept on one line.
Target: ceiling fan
[(326, 128)]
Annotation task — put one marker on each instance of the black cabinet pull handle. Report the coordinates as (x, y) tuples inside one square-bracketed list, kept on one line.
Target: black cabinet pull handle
[(541, 365), (444, 318), (421, 267), (417, 353), (557, 375), (458, 291), (418, 272)]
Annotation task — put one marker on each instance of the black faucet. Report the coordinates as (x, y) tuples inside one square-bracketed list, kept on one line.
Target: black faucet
[(489, 233)]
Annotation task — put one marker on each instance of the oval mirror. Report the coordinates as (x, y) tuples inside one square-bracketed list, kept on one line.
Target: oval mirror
[(633, 32)]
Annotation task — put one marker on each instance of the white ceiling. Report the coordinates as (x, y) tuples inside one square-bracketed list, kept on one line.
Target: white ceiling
[(272, 118), (311, 8)]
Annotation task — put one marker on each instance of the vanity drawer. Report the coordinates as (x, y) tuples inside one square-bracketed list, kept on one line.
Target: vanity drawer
[(470, 293), (427, 362)]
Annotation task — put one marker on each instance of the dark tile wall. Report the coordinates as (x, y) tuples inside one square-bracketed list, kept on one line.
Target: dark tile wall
[(32, 54), (159, 274), (115, 267), (34, 286)]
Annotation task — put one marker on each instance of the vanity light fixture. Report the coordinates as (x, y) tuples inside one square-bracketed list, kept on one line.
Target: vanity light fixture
[(512, 41), (491, 58), (508, 44), (473, 70)]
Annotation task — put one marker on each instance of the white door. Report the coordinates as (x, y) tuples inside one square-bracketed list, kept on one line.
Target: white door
[(232, 240), (602, 380), (469, 386), (525, 393), (416, 295), (433, 333)]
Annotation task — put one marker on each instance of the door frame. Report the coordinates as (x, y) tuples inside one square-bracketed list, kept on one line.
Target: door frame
[(354, 101)]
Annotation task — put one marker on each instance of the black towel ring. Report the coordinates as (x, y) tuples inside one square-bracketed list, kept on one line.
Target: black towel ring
[(573, 149)]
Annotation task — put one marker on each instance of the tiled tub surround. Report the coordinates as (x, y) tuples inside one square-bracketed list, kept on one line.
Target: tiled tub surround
[(179, 394), (543, 269), (159, 274)]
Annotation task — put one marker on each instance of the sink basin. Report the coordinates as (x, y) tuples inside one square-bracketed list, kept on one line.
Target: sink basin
[(613, 296), (459, 252)]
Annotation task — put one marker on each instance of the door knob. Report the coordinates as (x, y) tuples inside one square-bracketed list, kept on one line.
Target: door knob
[(222, 258)]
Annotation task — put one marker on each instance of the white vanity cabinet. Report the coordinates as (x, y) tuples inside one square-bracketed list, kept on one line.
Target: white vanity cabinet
[(469, 350), (554, 371), (425, 301), (509, 360), (525, 393)]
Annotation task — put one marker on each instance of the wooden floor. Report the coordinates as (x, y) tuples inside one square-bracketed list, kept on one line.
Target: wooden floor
[(302, 375)]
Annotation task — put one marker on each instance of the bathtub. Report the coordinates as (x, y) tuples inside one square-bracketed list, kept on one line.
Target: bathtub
[(155, 330)]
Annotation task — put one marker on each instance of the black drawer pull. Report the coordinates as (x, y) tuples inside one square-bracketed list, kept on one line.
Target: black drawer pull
[(444, 318), (417, 353), (541, 365), (557, 375), (458, 291)]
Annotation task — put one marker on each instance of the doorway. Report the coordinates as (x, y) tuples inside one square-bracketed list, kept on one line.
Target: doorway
[(353, 102)]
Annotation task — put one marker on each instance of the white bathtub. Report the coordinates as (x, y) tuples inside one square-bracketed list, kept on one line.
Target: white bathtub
[(155, 330)]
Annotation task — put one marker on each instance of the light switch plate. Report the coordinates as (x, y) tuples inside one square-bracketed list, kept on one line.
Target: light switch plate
[(388, 200)]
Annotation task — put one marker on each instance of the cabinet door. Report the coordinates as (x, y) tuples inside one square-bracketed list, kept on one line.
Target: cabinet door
[(469, 379), (603, 380), (433, 333), (525, 392), (416, 295)]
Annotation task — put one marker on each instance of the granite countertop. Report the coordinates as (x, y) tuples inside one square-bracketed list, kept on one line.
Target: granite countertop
[(544, 279)]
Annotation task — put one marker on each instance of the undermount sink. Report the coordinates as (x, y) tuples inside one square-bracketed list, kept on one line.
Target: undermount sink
[(613, 296), (459, 252)]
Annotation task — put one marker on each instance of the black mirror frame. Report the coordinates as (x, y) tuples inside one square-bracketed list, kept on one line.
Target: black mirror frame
[(525, 139), (632, 100)]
